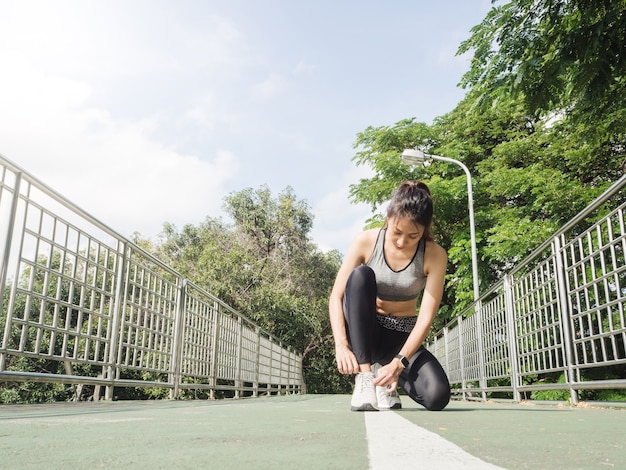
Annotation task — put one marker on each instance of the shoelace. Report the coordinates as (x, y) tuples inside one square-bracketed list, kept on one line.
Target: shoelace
[(366, 382)]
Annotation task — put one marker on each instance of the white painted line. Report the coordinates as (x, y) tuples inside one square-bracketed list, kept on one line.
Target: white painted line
[(395, 442)]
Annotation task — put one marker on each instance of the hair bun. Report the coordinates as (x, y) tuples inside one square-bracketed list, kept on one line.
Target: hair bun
[(412, 200)]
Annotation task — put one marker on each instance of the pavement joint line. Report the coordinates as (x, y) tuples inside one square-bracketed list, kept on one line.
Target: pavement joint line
[(395, 442)]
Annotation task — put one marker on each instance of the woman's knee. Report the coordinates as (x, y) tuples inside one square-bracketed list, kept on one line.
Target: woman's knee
[(362, 276), (361, 287), (437, 400)]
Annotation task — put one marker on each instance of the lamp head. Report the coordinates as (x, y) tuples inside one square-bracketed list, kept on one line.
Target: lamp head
[(415, 157)]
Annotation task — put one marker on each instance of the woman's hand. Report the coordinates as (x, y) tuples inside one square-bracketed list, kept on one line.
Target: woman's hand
[(346, 360), (387, 376)]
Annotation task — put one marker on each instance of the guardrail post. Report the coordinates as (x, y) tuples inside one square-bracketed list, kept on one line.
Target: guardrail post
[(564, 319), (461, 356), (115, 341), (446, 347), (509, 309), (481, 349), (288, 385), (5, 250), (177, 347), (280, 367), (257, 364), (238, 381), (270, 382), (214, 349)]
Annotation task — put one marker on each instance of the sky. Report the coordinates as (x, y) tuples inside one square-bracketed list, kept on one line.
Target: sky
[(150, 111)]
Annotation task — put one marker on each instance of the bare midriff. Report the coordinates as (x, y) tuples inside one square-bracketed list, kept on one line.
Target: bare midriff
[(396, 309)]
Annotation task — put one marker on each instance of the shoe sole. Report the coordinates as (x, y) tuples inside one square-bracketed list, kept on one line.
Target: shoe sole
[(364, 407), (386, 408)]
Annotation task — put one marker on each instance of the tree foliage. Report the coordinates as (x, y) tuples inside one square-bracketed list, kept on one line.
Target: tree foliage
[(563, 55), (540, 129), (265, 266)]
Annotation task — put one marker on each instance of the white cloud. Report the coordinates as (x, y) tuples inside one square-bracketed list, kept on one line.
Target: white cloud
[(68, 89), (109, 167), (304, 68), (272, 85), (122, 39), (141, 111), (337, 219)]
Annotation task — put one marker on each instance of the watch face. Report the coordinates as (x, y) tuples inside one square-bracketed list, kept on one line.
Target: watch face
[(403, 360)]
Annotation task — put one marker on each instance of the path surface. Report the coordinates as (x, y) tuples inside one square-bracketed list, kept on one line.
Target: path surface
[(308, 432)]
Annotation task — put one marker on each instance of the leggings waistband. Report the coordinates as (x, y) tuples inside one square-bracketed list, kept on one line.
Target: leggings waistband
[(404, 324)]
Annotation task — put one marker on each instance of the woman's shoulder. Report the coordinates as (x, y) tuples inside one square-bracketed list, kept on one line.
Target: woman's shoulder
[(435, 251), (367, 236), (364, 241)]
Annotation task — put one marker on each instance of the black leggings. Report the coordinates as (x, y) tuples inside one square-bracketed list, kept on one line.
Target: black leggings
[(424, 380)]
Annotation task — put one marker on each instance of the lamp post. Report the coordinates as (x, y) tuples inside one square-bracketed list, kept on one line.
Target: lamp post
[(417, 157)]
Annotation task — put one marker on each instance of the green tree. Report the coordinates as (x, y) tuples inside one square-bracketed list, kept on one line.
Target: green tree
[(266, 267), (540, 129), (563, 57), (526, 175)]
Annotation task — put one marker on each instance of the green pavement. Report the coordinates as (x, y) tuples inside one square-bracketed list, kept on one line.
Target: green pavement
[(299, 431), (527, 436), (275, 432)]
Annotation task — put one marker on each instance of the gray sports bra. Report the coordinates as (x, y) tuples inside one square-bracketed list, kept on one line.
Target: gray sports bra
[(402, 285)]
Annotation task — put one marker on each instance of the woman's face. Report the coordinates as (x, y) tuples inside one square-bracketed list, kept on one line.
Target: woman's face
[(403, 233)]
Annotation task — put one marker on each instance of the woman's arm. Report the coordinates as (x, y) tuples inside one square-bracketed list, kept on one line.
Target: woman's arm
[(346, 361)]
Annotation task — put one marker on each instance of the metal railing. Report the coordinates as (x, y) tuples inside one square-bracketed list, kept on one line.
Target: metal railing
[(555, 321), (75, 292)]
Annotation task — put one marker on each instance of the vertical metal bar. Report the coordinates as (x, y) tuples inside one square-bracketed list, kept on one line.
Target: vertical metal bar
[(565, 317), (177, 347), (446, 347), (608, 348), (302, 383), (282, 365), (238, 381), (509, 309), (257, 363), (115, 339), (4, 259), (283, 356), (291, 373), (481, 350), (7, 236), (461, 361), (290, 382), (270, 370), (214, 348)]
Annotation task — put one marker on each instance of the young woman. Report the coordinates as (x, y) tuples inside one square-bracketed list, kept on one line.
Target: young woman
[(373, 304)]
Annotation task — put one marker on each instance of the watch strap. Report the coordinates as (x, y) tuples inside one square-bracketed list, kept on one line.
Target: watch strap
[(403, 360)]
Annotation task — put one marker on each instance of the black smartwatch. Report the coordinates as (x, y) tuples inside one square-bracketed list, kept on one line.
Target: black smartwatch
[(403, 360)]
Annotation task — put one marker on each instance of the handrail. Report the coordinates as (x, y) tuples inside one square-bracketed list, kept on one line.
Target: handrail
[(564, 315), (95, 299), (591, 207)]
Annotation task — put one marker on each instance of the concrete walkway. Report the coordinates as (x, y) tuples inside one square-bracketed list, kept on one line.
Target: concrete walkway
[(308, 432)]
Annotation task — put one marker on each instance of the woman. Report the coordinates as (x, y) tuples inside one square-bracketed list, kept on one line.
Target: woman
[(373, 303)]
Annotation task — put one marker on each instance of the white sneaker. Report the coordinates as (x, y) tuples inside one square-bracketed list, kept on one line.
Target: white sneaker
[(386, 399), (364, 395)]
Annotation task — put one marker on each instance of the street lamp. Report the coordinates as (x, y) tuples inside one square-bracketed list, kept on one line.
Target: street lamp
[(417, 157)]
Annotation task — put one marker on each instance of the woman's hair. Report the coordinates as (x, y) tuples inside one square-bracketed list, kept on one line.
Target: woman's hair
[(412, 201)]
